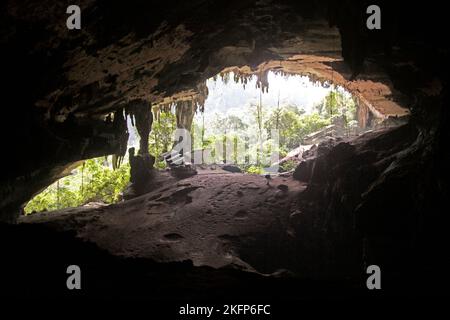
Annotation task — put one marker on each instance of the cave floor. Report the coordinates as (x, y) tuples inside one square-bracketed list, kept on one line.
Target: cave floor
[(218, 236), (213, 219)]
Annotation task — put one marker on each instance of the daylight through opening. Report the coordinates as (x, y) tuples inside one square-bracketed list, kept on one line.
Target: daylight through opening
[(240, 126)]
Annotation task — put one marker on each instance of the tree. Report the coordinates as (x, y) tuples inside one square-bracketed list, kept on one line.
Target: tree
[(287, 124), (311, 123), (293, 125), (93, 181), (234, 123), (336, 103), (161, 136)]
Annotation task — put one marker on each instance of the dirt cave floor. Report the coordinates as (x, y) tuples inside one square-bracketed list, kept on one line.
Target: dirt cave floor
[(212, 219)]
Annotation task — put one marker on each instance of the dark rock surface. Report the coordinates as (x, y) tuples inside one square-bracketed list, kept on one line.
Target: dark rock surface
[(231, 168), (159, 286)]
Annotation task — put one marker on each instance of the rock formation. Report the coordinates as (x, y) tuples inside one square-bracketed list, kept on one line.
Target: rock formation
[(377, 199)]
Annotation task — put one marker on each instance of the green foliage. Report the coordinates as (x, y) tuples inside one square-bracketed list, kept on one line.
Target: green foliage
[(234, 123), (254, 170), (292, 123), (293, 126), (311, 123), (104, 184), (332, 103), (288, 165), (161, 136), (336, 103), (95, 180), (224, 125), (52, 199)]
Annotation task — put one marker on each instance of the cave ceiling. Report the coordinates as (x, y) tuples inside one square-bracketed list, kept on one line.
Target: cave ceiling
[(170, 49)]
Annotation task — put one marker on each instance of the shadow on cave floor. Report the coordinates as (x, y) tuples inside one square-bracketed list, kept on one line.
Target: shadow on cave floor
[(33, 277), (37, 263)]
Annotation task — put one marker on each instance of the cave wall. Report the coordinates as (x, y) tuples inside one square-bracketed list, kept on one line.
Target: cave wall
[(51, 151)]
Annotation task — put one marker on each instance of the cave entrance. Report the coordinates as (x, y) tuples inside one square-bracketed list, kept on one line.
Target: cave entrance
[(242, 125), (94, 182), (233, 123)]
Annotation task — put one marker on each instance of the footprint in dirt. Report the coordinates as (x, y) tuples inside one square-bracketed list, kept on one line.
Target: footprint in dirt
[(241, 214), (173, 237)]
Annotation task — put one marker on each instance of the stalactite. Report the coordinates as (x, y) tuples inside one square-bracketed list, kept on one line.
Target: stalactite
[(200, 99), (156, 114), (141, 112), (120, 128), (262, 81), (185, 111), (141, 165), (197, 98), (116, 161)]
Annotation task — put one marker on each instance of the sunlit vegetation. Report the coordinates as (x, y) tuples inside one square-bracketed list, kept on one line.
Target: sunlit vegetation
[(161, 136), (94, 181), (292, 122)]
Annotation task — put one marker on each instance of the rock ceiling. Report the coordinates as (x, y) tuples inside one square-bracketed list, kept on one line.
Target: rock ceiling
[(105, 65)]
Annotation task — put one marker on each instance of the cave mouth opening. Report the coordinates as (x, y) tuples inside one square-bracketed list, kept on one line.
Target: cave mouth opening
[(237, 122), (237, 125)]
